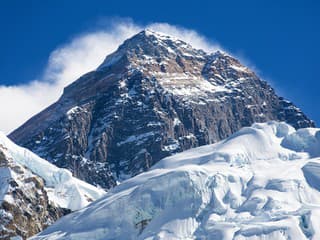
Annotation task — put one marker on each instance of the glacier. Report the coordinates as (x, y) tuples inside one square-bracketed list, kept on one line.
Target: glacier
[(263, 182)]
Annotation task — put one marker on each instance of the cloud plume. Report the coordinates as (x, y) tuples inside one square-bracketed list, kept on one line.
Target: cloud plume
[(67, 63)]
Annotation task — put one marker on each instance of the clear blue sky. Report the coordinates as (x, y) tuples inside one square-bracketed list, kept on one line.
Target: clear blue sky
[(280, 39)]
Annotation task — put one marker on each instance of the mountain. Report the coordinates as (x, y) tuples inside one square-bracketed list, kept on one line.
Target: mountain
[(35, 193), (154, 96), (263, 182)]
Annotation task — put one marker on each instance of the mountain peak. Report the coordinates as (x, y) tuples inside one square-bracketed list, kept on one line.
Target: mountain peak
[(151, 34), (154, 96), (148, 32), (148, 43)]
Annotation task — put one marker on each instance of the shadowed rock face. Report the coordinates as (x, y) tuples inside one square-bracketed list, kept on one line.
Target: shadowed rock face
[(24, 206), (153, 97)]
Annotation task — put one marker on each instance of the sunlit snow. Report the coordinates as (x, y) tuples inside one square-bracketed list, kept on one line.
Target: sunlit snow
[(260, 183)]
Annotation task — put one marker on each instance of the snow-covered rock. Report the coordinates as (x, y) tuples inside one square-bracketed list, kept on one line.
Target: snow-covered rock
[(63, 189), (35, 193), (262, 182), (24, 205)]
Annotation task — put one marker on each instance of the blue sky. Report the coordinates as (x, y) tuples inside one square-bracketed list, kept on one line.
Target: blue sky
[(280, 39)]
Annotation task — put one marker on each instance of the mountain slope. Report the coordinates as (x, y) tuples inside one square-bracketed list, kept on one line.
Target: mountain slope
[(153, 97), (260, 183), (35, 193), (24, 205)]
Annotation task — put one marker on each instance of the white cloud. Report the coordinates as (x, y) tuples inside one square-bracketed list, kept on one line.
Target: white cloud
[(83, 54)]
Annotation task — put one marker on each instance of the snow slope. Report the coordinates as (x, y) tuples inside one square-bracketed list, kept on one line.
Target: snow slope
[(263, 182), (63, 190)]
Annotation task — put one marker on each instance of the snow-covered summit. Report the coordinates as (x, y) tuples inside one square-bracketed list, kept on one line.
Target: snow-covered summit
[(150, 45), (158, 35), (263, 182)]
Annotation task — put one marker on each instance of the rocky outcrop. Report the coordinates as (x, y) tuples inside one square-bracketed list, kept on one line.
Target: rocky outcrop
[(24, 206), (155, 96)]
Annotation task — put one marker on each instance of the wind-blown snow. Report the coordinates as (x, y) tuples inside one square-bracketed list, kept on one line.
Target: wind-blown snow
[(260, 183), (63, 189)]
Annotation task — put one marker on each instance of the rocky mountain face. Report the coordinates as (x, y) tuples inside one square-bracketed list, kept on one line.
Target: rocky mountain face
[(24, 204), (153, 97)]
